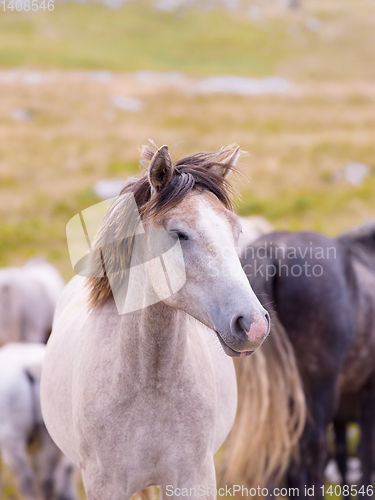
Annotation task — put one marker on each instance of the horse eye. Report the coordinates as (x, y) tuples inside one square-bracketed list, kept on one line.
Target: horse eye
[(179, 235)]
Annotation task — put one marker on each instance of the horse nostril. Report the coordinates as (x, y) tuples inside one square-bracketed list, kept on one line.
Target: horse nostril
[(241, 325), (268, 319)]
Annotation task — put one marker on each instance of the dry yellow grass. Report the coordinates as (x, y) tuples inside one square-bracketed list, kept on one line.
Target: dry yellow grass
[(297, 142)]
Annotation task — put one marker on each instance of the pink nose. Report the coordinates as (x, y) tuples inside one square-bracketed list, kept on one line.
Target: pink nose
[(258, 329)]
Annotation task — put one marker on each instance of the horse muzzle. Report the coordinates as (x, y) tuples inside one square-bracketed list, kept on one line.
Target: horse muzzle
[(246, 334)]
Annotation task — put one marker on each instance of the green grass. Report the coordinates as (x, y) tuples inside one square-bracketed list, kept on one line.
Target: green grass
[(120, 168), (135, 37), (138, 36), (293, 203), (40, 229)]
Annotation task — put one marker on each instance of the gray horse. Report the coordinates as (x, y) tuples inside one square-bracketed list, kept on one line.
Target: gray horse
[(28, 297), (22, 428), (147, 398)]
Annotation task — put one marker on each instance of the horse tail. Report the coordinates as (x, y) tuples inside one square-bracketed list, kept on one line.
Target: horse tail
[(271, 409), (10, 314)]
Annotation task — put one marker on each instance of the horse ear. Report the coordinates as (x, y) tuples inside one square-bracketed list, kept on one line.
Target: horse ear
[(225, 167), (160, 171)]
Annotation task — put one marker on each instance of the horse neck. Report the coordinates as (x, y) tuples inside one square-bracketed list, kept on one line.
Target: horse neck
[(156, 343)]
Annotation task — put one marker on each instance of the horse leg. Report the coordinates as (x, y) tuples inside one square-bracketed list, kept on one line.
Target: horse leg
[(15, 459), (297, 473), (318, 451), (45, 461), (99, 485), (200, 484), (366, 444), (307, 473), (65, 484), (341, 452)]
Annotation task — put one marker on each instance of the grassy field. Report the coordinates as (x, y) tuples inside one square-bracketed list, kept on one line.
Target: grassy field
[(298, 142), (139, 36)]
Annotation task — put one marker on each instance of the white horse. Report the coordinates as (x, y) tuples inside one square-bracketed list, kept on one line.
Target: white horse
[(28, 297), (22, 429), (147, 398), (252, 228)]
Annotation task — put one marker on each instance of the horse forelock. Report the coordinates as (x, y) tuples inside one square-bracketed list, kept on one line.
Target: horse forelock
[(195, 171), (199, 171)]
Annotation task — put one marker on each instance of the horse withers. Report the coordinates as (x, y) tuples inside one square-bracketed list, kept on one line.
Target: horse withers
[(48, 475), (147, 397)]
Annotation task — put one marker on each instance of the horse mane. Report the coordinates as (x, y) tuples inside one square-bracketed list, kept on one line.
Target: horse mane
[(360, 243), (199, 171), (360, 232)]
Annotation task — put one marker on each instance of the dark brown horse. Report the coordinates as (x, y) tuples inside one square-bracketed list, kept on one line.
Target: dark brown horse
[(321, 294)]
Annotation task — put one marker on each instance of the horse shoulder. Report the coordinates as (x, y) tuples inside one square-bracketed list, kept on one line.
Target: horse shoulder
[(63, 355)]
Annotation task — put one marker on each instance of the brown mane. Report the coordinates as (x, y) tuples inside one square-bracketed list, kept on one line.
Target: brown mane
[(205, 171)]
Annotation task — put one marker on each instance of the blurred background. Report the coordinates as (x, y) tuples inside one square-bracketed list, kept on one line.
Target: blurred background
[(84, 85)]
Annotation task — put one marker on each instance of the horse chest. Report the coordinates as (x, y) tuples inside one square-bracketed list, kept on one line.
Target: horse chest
[(145, 416)]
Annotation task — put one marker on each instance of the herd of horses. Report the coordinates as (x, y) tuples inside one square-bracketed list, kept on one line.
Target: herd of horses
[(29, 296), (147, 398)]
